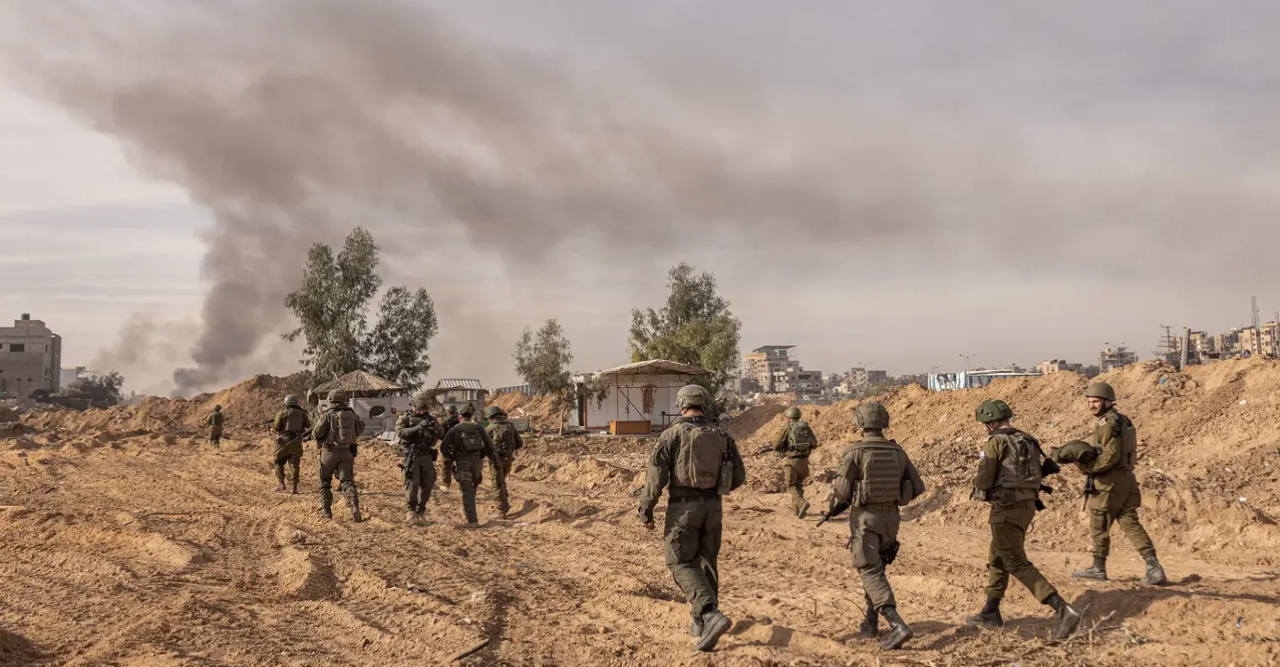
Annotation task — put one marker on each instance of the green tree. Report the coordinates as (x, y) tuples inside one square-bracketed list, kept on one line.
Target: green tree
[(331, 304), (105, 388), (695, 327), (542, 360)]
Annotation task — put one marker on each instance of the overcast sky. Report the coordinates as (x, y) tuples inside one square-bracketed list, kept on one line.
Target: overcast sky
[(1029, 180)]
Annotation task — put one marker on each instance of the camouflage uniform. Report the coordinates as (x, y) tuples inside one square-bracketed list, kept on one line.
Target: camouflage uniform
[(338, 455), (446, 465), (417, 433), (214, 423), (875, 477), (466, 445), (1010, 470), (506, 440), (693, 527), (794, 444), (1117, 496), (291, 426)]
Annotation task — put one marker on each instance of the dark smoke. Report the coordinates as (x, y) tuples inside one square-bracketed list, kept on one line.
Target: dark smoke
[(294, 120)]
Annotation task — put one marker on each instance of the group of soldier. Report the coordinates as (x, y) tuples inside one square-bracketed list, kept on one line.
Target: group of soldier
[(697, 462), (421, 439)]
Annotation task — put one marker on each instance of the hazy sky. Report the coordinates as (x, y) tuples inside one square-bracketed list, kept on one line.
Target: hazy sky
[(893, 183)]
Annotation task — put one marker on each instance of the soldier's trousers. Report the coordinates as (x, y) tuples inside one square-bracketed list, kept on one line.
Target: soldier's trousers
[(874, 533), (692, 548), (1120, 506), (446, 471), (422, 479), (290, 453), (470, 473), (795, 471), (215, 434), (1008, 555), (506, 462), (338, 461)]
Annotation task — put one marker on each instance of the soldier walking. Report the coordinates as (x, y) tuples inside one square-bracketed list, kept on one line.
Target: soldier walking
[(466, 445), (506, 440), (1010, 470), (875, 477), (417, 432), (447, 464), (701, 463), (336, 432), (793, 445), (1112, 491), (215, 422), (292, 425)]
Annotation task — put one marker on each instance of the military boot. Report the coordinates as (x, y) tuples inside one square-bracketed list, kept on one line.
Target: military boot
[(326, 513), (989, 617), (804, 510), (1097, 571), (899, 633), (295, 488), (870, 626), (695, 629), (1067, 617), (714, 625), (411, 517), (1155, 573), (280, 486)]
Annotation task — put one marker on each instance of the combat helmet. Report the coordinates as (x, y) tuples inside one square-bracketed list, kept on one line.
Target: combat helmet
[(693, 396), (290, 401), (337, 396), (493, 411), (793, 412), (993, 410), (420, 400), (217, 408), (453, 409), (1100, 390), (871, 415)]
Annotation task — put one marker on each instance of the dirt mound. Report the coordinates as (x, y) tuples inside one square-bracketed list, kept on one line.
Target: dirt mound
[(8, 416), (539, 410)]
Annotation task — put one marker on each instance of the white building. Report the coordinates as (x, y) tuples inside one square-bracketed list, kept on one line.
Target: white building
[(640, 398), (30, 358), (378, 401)]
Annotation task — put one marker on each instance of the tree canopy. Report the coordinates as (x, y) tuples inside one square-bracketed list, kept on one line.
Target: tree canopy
[(694, 327), (105, 388), (331, 304)]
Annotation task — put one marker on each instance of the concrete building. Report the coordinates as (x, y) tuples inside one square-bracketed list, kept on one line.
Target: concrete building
[(1058, 366), (861, 378), (764, 363), (1261, 341), (1120, 356), (797, 381), (30, 358)]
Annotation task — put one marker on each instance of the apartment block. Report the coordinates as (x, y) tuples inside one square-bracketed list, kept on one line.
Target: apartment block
[(1120, 356), (764, 363), (30, 358), (1059, 366)]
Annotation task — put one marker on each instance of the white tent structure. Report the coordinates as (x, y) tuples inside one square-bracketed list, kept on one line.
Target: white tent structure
[(640, 398)]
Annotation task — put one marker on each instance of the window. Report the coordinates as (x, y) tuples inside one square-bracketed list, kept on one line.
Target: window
[(377, 411), (18, 347)]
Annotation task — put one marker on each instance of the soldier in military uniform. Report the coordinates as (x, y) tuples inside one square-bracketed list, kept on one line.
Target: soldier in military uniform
[(506, 440), (292, 424), (466, 445), (417, 432), (875, 477), (336, 432), (447, 464), (215, 422), (793, 445), (1112, 487), (1010, 470), (701, 463)]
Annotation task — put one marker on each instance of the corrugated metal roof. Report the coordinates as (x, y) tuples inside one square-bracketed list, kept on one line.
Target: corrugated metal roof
[(459, 384), (656, 367)]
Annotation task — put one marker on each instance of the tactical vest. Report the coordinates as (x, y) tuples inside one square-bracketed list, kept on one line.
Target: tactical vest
[(701, 451), (800, 438), (469, 439), (1019, 477), (426, 435), (215, 419), (294, 421), (503, 434), (882, 468), (1128, 443), (343, 427)]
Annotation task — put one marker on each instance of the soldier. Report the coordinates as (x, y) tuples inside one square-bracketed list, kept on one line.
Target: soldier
[(214, 423), (1010, 470), (506, 440), (793, 445), (449, 422), (701, 463), (1111, 488), (875, 477), (417, 432), (291, 426), (336, 432), (463, 447)]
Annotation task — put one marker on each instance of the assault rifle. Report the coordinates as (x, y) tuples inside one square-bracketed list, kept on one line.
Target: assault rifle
[(835, 511), (410, 454)]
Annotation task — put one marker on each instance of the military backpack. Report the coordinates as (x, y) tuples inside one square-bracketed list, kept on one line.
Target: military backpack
[(344, 426), (1020, 469), (470, 439), (503, 435), (801, 438), (700, 456)]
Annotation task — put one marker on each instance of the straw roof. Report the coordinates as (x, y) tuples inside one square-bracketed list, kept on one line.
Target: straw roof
[(360, 382)]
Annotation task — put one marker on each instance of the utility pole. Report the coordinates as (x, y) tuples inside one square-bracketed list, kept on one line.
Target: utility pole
[(1257, 328), (967, 357)]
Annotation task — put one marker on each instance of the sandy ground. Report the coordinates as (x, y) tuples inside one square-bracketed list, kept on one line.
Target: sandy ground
[(137, 552)]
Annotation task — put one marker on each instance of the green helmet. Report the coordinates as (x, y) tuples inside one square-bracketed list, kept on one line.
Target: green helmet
[(493, 411), (453, 409), (871, 415), (467, 410), (693, 396), (793, 412), (420, 400), (217, 408), (1100, 390), (290, 401), (993, 410), (337, 396)]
